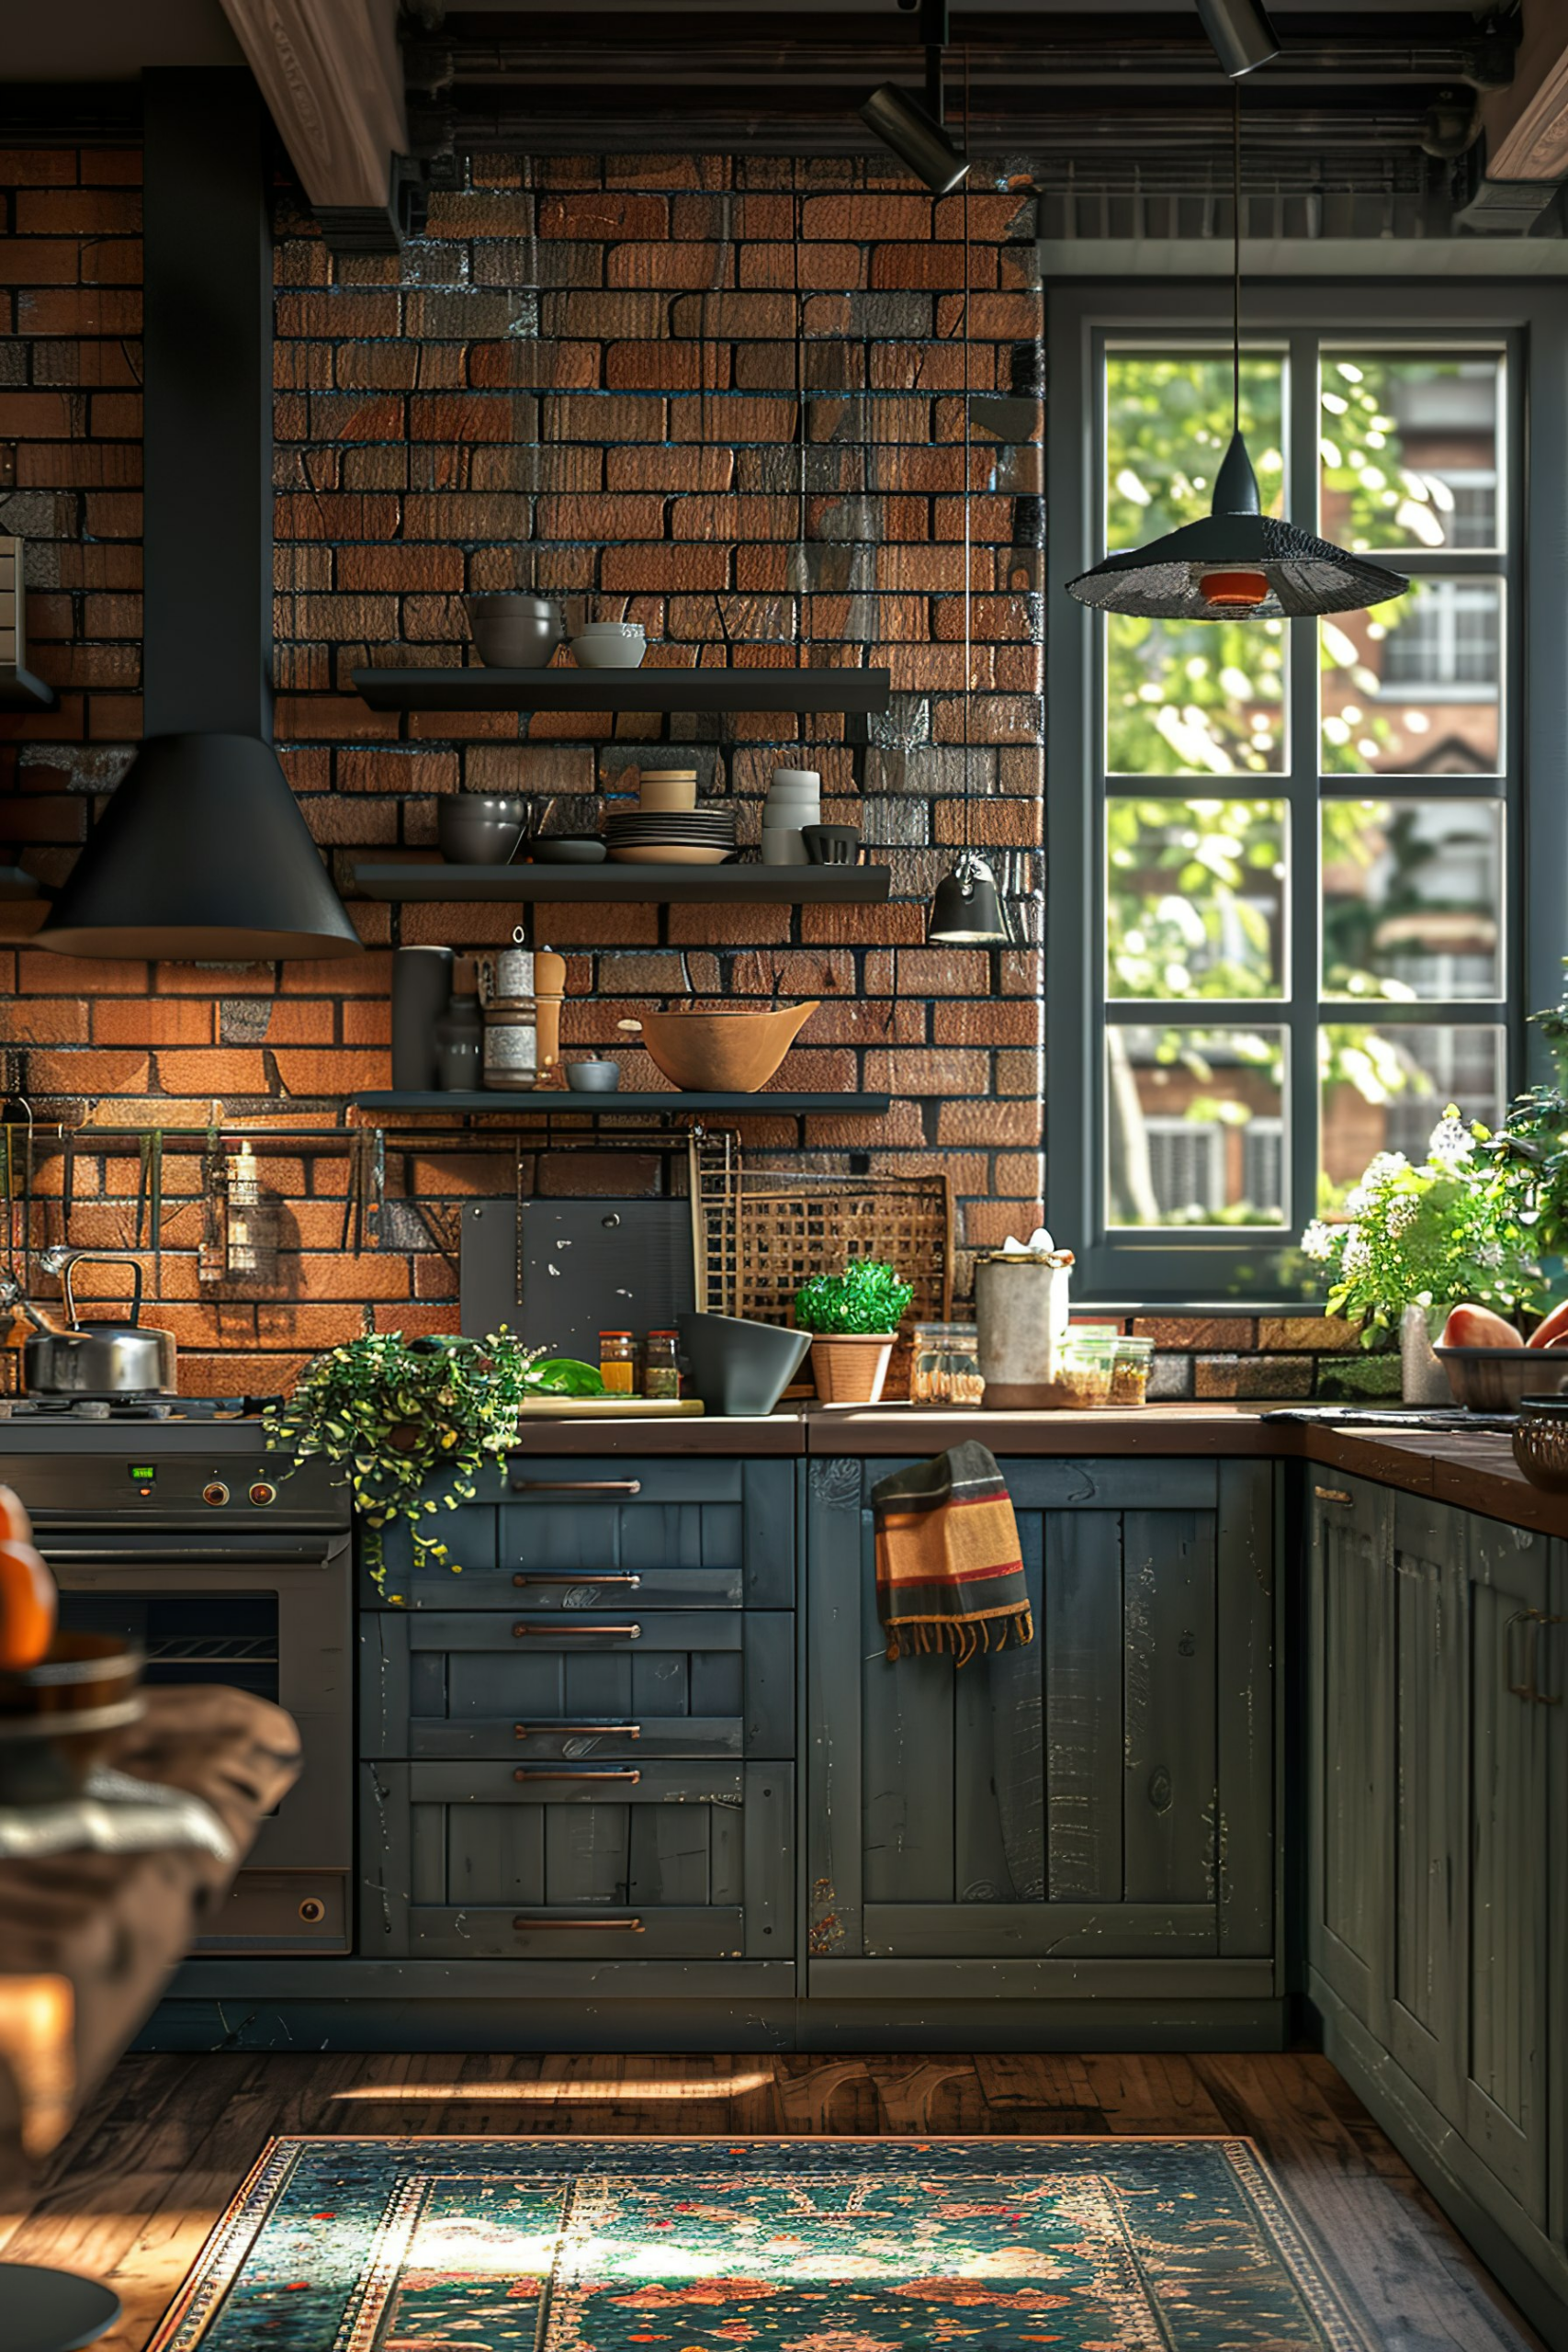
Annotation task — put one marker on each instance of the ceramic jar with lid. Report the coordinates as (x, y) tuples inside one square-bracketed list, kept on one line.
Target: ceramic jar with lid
[(1021, 1314)]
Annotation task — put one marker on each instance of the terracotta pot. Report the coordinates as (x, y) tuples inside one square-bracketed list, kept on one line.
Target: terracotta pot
[(722, 1052), (850, 1367)]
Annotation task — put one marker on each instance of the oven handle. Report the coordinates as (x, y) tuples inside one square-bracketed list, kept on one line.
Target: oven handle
[(153, 1555)]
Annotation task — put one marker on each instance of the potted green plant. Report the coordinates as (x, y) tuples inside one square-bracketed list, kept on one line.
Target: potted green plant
[(415, 1422), (853, 1317), (1419, 1240)]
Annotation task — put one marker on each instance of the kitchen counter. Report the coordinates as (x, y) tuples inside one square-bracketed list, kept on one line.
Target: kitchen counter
[(1476, 1472)]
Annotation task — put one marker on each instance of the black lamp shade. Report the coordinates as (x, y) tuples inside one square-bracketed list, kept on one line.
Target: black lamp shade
[(1276, 572), (202, 852), (902, 123), (1240, 34), (968, 908)]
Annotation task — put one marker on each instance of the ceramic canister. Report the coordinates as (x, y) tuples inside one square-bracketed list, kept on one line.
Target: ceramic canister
[(1020, 1315), (510, 1032)]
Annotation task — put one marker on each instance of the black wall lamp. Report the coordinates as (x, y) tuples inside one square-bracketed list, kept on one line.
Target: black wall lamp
[(913, 131), (1240, 33)]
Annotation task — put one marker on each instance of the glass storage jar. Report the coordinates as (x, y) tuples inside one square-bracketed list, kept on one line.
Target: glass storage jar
[(1130, 1372), (661, 1373), (945, 1369), (617, 1362), (1084, 1365)]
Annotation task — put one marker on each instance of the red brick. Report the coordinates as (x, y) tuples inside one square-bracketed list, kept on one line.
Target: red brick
[(44, 1021), (400, 567), (991, 1123), (604, 214), (219, 1071), (151, 1020)]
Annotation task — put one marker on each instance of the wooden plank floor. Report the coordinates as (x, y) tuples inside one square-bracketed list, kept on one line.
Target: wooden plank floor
[(135, 2189)]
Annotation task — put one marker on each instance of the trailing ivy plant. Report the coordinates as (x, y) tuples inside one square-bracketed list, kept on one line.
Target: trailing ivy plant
[(867, 1298), (401, 1414)]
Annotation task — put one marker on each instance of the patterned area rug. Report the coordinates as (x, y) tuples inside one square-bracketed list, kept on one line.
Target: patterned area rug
[(776, 2246)]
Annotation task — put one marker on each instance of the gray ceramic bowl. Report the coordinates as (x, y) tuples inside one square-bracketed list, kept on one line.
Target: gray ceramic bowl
[(514, 632), (480, 829), (738, 1366), (594, 1078), (831, 845), (566, 850)]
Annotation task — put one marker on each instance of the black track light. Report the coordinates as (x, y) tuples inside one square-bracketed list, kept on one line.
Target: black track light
[(902, 123), (1241, 34)]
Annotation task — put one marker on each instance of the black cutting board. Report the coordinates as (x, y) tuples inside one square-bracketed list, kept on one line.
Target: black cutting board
[(586, 1266)]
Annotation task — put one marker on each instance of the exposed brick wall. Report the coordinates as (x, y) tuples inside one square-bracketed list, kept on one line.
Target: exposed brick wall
[(584, 378)]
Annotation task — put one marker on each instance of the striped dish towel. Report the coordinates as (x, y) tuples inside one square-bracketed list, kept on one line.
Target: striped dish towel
[(949, 1572)]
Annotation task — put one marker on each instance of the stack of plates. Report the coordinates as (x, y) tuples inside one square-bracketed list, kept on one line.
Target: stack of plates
[(671, 837)]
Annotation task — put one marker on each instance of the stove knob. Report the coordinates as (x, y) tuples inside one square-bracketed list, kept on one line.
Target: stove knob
[(215, 1493), (262, 1492)]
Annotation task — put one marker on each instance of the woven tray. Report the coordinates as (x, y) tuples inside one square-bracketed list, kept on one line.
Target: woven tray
[(765, 1230)]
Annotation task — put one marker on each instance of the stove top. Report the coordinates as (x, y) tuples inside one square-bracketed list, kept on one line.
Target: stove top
[(134, 1408)]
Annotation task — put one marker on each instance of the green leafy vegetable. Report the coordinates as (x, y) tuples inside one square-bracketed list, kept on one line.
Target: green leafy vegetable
[(867, 1298)]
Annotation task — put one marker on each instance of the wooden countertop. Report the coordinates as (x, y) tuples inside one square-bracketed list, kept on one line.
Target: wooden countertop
[(1475, 1471)]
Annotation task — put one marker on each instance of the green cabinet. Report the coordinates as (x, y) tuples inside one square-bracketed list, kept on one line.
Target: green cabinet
[(1434, 1760), (1091, 1812)]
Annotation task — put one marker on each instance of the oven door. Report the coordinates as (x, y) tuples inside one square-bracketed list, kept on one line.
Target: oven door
[(269, 1615)]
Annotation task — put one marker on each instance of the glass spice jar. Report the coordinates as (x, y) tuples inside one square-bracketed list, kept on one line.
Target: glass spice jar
[(661, 1371), (617, 1362), (945, 1369), (1130, 1372)]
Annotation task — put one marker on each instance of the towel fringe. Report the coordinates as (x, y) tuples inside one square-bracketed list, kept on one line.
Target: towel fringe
[(966, 1637)]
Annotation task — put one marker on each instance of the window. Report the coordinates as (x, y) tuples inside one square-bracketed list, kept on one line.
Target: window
[(1287, 856)]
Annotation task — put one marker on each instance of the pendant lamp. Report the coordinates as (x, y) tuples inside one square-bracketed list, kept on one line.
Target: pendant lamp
[(968, 908), (1237, 564)]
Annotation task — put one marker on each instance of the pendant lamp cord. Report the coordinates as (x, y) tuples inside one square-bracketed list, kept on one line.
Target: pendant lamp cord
[(1235, 257), (968, 569)]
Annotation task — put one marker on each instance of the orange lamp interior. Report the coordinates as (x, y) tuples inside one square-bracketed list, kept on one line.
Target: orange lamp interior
[(1234, 591)]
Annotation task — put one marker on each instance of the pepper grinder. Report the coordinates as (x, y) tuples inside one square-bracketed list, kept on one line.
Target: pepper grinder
[(550, 989), (459, 1033)]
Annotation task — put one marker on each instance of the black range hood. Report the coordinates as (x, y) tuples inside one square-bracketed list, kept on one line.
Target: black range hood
[(202, 852)]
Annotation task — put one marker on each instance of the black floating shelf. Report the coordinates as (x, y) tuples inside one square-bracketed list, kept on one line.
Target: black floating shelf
[(14, 884), (649, 690), (735, 886), (605, 1106), (19, 690)]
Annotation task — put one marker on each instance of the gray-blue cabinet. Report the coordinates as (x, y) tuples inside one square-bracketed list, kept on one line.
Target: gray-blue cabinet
[(1091, 1812), (1435, 1763), (580, 1744)]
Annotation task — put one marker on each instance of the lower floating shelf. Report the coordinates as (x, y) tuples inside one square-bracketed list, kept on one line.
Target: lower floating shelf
[(547, 1100)]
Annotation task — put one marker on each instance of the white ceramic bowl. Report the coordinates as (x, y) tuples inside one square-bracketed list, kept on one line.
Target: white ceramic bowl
[(783, 845), (604, 652), (797, 780)]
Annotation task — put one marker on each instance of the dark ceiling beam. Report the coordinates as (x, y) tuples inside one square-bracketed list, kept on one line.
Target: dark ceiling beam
[(331, 73)]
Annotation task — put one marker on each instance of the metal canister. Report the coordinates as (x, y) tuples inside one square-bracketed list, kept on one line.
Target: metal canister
[(510, 1039), (1020, 1315)]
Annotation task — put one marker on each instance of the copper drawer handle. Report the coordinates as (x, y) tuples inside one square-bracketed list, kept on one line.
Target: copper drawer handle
[(1332, 1494), (624, 1926), (559, 1627), (577, 1486), (551, 1773), (629, 1583), (577, 1731)]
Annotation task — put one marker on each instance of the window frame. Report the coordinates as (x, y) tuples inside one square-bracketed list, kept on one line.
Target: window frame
[(1183, 1266)]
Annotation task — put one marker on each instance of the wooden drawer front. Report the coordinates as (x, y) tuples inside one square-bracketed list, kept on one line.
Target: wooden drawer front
[(713, 1683), (1117, 1483), (635, 1861), (708, 1534)]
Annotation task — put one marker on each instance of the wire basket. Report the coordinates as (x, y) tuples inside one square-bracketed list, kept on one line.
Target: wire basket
[(764, 1231)]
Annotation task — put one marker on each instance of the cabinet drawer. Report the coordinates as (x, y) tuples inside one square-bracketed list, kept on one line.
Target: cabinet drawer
[(634, 1860), (703, 1534), (685, 1683)]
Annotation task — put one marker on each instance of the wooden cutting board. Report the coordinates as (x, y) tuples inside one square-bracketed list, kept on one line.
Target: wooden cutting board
[(596, 1408)]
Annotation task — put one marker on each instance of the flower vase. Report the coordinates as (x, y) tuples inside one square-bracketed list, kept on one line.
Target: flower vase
[(1423, 1380)]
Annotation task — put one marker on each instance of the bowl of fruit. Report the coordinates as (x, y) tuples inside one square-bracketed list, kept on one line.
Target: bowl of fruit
[(64, 1698), (1492, 1368)]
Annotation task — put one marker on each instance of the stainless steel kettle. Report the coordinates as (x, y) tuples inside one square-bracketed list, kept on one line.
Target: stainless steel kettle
[(132, 1359)]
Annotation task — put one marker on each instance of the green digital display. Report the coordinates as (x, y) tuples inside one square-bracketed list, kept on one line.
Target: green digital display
[(144, 1473)]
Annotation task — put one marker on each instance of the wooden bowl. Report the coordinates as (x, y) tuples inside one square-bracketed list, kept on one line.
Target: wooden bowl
[(722, 1052), (1497, 1380), (61, 1717)]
